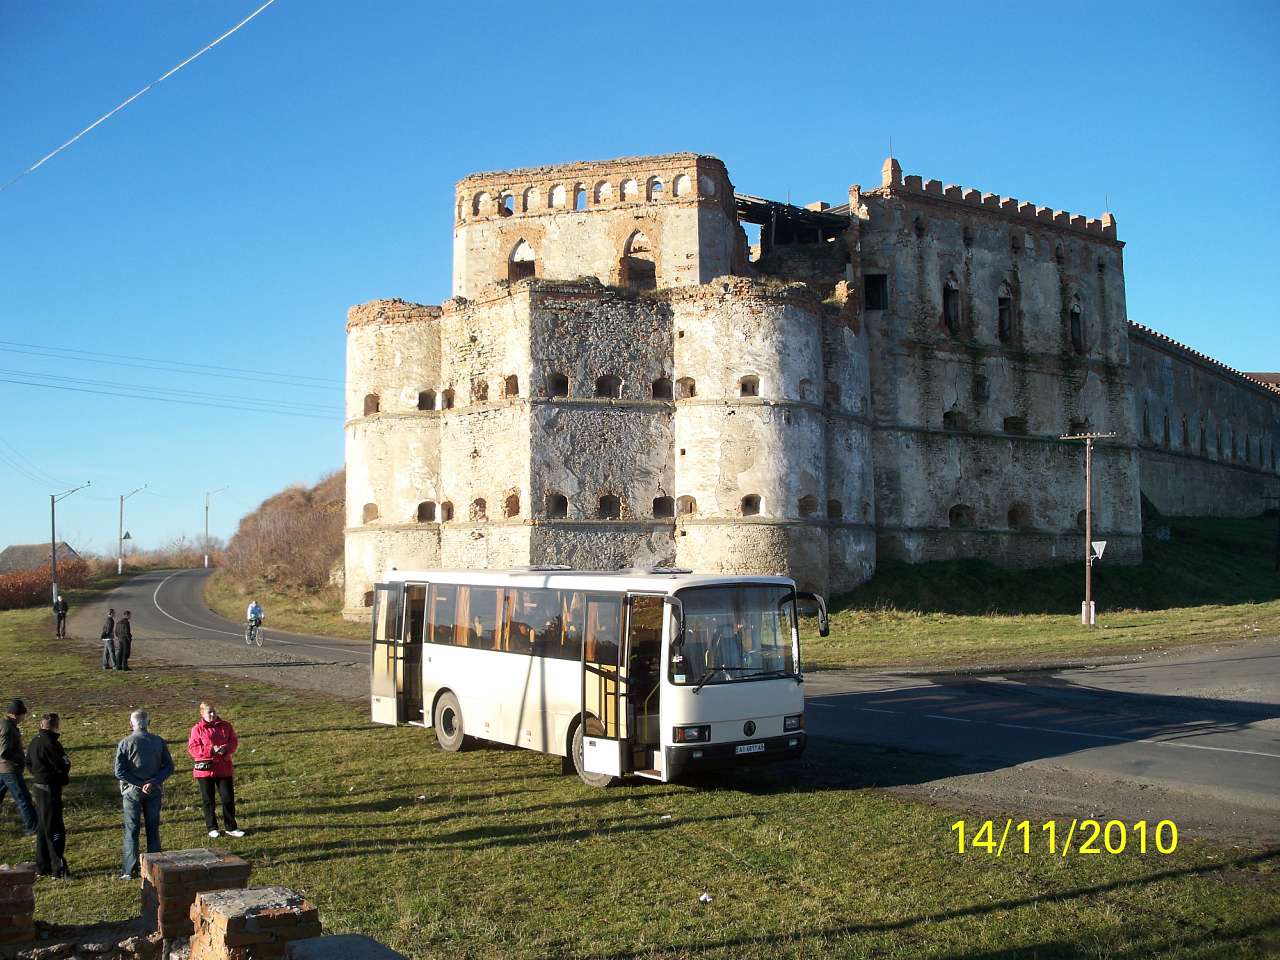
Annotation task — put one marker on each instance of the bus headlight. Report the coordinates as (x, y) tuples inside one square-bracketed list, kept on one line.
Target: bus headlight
[(793, 723), (699, 734)]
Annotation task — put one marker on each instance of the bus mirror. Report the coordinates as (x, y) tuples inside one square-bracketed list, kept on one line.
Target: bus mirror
[(677, 611), (824, 623)]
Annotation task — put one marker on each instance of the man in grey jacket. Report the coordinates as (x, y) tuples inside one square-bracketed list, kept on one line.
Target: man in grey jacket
[(13, 759), (143, 763)]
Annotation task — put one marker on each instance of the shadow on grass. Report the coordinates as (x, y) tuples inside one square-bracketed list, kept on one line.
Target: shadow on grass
[(1269, 857)]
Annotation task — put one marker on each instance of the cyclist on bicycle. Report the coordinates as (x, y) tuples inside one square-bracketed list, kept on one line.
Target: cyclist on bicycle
[(254, 614)]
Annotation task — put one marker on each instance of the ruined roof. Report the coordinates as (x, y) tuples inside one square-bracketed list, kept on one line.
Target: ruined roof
[(1270, 379), (32, 556), (1167, 341), (556, 169)]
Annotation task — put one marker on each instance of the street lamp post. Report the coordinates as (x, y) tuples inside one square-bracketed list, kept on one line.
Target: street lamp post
[(53, 535), (1087, 612), (206, 523), (120, 538)]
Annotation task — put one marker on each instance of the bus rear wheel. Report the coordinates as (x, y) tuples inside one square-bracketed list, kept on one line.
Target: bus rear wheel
[(590, 779), (447, 722)]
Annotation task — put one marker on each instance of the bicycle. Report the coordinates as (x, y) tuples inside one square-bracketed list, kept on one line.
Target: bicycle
[(253, 633)]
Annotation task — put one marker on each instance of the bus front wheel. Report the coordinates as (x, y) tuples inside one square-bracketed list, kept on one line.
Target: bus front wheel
[(590, 779), (448, 724)]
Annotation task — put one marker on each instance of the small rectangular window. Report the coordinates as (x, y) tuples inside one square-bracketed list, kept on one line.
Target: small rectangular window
[(876, 291)]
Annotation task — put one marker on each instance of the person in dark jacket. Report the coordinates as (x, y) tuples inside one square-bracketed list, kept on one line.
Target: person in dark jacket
[(108, 641), (12, 762), (124, 641), (60, 608), (50, 772)]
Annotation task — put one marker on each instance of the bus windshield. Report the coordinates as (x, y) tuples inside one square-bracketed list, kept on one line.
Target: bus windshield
[(735, 633)]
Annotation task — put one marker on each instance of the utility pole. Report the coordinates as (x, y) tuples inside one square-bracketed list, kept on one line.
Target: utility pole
[(53, 535), (206, 523), (120, 538), (1087, 611)]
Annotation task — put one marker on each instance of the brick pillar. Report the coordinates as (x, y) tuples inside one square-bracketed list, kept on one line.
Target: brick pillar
[(251, 924), (17, 903), (171, 880), (350, 946)]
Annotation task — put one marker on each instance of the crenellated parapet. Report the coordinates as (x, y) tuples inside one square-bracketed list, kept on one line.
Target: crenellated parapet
[(894, 184)]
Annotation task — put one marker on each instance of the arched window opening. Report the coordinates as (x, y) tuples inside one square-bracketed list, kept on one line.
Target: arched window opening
[(1004, 313), (630, 189), (369, 513), (638, 269), (371, 404), (603, 192), (808, 505), (446, 512), (426, 399), (478, 509), (529, 199), (751, 505), (664, 508), (511, 506), (1146, 421), (580, 197), (681, 186), (609, 508), (706, 186), (479, 390), (446, 399), (981, 388), (609, 386), (954, 420), (662, 389), (686, 506), (1080, 519), (1015, 424), (558, 196), (951, 306), (1204, 441), (507, 205), (1077, 327), (462, 209), (557, 385), (686, 388), (960, 515), (480, 205), (834, 510), (1020, 517), (1166, 430), (1081, 426), (749, 386), (831, 394), (557, 506), (655, 188), (1219, 443), (426, 512), (511, 386), (522, 264), (806, 389), (368, 598)]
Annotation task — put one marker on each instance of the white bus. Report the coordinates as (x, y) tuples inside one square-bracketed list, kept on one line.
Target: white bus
[(636, 673)]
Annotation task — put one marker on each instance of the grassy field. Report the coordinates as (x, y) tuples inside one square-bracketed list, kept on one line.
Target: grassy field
[(492, 853)]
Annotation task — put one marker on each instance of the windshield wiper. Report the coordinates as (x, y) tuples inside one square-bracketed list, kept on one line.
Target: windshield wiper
[(707, 675)]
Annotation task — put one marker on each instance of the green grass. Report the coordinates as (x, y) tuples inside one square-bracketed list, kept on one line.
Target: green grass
[(318, 614), (492, 853), (1213, 580)]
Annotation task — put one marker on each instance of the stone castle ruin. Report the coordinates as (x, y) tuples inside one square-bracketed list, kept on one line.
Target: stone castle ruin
[(622, 379)]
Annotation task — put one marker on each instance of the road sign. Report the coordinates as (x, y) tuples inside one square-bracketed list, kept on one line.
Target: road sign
[(126, 536), (1098, 547)]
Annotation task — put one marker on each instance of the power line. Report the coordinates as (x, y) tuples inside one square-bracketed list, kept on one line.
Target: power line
[(14, 454), (170, 366), (192, 403), (110, 113), (172, 392)]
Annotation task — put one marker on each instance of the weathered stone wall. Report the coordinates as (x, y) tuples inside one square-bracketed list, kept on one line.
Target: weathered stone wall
[(1207, 435), (682, 205)]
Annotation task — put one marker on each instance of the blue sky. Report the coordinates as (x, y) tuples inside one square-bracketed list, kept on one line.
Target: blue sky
[(232, 214)]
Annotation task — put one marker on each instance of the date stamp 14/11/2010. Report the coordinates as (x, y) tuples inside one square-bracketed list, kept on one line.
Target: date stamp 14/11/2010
[(1060, 839)]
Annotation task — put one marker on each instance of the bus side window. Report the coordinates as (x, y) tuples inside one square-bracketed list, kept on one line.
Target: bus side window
[(519, 613), (604, 629), (415, 597), (485, 617), (444, 601)]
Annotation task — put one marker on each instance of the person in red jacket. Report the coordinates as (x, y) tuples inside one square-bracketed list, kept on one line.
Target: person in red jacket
[(211, 744)]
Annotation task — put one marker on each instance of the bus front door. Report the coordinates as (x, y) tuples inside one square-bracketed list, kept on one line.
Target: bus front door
[(605, 750), (386, 679), (643, 659)]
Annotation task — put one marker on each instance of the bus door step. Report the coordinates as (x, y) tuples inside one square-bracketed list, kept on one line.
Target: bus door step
[(417, 723), (649, 774)]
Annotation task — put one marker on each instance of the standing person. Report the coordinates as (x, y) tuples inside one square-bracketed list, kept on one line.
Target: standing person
[(108, 641), (211, 744), (60, 608), (142, 764), (124, 641), (50, 772), (12, 761)]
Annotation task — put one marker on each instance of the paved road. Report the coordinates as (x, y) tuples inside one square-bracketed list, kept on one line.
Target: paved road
[(1193, 736)]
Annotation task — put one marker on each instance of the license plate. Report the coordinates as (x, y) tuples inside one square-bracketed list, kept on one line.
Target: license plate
[(749, 748)]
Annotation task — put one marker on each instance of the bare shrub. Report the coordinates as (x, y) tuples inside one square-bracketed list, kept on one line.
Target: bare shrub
[(31, 588), (292, 541)]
